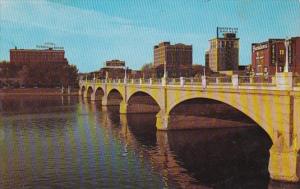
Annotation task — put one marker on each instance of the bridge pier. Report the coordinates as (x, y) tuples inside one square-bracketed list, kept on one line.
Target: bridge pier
[(85, 94), (284, 164), (93, 95), (104, 100), (123, 107), (162, 120)]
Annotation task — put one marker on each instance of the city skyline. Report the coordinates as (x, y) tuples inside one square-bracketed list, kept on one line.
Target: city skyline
[(93, 32)]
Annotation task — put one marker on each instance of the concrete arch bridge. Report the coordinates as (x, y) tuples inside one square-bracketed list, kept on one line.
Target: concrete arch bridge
[(273, 103)]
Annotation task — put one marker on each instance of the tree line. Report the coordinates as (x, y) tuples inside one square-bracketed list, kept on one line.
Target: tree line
[(39, 74)]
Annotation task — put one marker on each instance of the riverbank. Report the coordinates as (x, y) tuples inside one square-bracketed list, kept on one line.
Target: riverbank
[(37, 91)]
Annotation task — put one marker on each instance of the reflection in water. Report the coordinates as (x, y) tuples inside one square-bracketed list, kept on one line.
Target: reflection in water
[(221, 158), (66, 145), (54, 142)]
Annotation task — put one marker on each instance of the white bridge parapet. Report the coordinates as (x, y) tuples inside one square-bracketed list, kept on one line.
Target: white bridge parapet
[(281, 81)]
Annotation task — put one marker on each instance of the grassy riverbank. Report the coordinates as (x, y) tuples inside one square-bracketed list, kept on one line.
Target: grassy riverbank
[(36, 91)]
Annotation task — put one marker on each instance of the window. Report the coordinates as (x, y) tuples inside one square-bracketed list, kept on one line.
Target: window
[(281, 52)]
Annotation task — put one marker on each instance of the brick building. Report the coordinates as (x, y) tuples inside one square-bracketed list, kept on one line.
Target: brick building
[(113, 69), (223, 54), (29, 56), (294, 55), (115, 63), (269, 56), (178, 59)]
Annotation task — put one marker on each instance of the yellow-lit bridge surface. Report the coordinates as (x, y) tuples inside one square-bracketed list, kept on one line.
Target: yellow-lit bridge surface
[(272, 102)]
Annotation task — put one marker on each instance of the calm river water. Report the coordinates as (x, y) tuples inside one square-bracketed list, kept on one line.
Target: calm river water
[(66, 142)]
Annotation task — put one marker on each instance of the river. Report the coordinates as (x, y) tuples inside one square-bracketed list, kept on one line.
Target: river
[(68, 142)]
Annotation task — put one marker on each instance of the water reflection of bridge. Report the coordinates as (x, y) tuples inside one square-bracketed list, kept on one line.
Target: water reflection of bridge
[(273, 104), (177, 154)]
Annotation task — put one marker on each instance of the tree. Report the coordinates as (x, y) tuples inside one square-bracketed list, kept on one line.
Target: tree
[(147, 67), (48, 75), (147, 70)]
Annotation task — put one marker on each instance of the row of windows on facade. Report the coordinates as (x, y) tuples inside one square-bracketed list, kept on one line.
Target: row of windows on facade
[(261, 53), (34, 54), (222, 44), (36, 58), (261, 69)]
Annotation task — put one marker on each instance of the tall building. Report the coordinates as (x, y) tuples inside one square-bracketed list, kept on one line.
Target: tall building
[(28, 56), (269, 56), (224, 53), (178, 59)]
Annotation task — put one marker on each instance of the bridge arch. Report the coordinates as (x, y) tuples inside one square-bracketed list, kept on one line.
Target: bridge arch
[(236, 103), (89, 92), (142, 102), (114, 97), (99, 93), (82, 89)]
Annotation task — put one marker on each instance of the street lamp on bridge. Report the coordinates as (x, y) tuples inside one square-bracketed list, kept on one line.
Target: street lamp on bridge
[(286, 67)]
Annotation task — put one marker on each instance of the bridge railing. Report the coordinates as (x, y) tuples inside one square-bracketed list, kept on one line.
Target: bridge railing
[(192, 81), (257, 80), (173, 81), (266, 81), (219, 80), (156, 81)]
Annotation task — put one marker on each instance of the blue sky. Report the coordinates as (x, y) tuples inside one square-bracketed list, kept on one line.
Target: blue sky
[(98, 30)]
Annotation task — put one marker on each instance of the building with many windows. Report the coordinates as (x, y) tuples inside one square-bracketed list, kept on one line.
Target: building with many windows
[(31, 56), (178, 59), (269, 56), (223, 54)]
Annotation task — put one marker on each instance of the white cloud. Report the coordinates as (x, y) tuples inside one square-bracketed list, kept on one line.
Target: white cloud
[(60, 18)]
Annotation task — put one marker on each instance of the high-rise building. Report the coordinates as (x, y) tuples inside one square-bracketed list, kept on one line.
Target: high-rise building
[(178, 59), (224, 53), (269, 56), (29, 56)]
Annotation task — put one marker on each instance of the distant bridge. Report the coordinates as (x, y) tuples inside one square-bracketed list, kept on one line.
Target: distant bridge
[(272, 102)]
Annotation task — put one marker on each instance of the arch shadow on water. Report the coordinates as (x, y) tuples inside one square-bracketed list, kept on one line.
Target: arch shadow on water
[(224, 158), (229, 151), (142, 126)]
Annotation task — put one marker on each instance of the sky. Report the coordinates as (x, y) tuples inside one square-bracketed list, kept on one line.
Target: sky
[(94, 31)]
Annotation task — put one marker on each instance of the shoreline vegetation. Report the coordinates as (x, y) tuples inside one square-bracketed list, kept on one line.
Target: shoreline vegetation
[(37, 91)]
